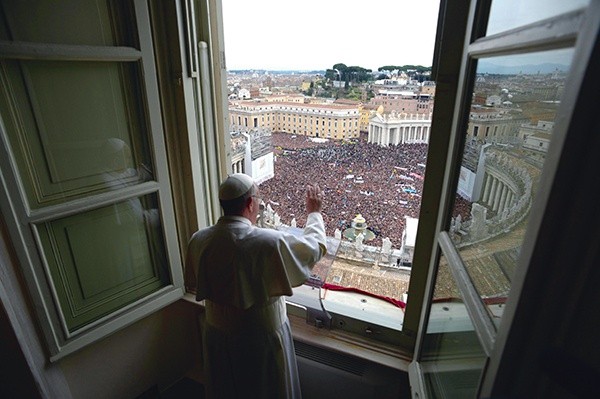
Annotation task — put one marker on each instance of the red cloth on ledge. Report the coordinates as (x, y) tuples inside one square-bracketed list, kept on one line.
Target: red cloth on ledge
[(393, 301)]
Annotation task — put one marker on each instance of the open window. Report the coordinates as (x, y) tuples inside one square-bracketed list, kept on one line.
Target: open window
[(360, 291), (512, 115)]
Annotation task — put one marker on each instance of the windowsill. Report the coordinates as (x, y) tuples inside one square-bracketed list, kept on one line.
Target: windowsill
[(340, 341), (350, 344)]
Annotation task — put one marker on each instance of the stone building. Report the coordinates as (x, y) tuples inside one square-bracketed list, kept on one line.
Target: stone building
[(398, 101), (333, 121), (391, 129), (494, 125), (536, 137)]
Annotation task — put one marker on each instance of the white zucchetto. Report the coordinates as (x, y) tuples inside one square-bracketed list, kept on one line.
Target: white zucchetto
[(235, 186)]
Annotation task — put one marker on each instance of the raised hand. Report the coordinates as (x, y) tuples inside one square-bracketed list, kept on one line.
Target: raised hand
[(314, 198)]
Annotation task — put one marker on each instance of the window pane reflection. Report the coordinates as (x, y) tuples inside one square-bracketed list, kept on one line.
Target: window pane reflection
[(103, 259), (509, 14), (510, 129), (42, 21), (452, 358), (76, 128)]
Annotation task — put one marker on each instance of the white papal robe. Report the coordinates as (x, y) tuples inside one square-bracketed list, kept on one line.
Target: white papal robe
[(242, 273)]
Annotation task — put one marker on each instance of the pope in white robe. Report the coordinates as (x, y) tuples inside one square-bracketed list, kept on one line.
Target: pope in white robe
[(242, 273)]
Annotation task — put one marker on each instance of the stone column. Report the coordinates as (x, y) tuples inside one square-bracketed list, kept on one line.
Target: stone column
[(375, 135), (497, 195), (487, 187), (502, 199), (490, 199), (508, 198), (386, 136)]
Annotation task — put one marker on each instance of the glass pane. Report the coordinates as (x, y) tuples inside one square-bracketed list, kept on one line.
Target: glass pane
[(104, 259), (45, 21), (452, 358), (510, 128), (75, 128), (509, 14)]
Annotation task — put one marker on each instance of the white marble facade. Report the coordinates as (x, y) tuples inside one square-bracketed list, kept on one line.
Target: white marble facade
[(393, 129)]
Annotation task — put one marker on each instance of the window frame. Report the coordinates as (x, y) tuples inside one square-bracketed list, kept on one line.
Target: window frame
[(572, 123), (400, 342), (558, 32)]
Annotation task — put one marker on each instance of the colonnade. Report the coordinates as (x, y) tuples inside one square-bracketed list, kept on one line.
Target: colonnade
[(399, 134), (497, 195), (238, 166)]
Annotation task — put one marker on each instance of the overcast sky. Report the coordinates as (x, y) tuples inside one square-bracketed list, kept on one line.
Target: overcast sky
[(316, 34)]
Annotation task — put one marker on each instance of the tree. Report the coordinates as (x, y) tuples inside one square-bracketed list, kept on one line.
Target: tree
[(358, 74), (330, 74), (405, 68), (340, 69)]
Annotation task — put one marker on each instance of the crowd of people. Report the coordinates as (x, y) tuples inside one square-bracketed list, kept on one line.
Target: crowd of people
[(383, 184), (462, 207)]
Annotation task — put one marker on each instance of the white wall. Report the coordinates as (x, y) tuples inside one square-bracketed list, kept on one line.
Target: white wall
[(466, 183), (157, 350)]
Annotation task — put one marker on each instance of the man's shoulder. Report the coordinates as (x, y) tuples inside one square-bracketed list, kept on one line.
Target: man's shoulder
[(203, 233), (203, 230), (266, 234)]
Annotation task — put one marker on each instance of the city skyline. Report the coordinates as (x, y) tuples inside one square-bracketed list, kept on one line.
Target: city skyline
[(315, 35)]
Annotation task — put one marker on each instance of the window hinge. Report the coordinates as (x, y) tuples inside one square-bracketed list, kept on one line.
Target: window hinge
[(318, 318)]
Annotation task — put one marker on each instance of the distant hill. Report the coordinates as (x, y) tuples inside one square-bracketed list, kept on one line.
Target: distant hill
[(489, 67)]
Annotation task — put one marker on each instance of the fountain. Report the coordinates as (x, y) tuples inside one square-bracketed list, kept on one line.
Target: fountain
[(359, 226)]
